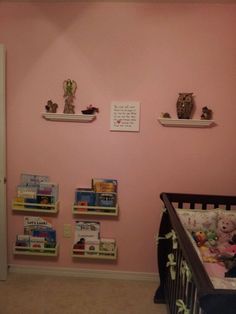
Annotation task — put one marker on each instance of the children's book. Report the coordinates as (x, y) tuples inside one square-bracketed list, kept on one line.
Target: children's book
[(23, 240), (36, 242), (86, 231), (44, 200), (104, 185), (33, 223), (107, 244), (49, 236), (106, 199), (49, 189), (91, 247), (27, 191), (85, 196), (32, 179), (37, 189)]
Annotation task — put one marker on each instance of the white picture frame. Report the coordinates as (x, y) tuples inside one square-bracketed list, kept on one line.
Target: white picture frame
[(125, 116)]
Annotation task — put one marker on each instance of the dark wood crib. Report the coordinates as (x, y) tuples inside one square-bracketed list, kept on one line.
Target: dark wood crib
[(187, 288)]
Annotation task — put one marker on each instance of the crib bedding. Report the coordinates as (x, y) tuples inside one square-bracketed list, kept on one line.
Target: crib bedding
[(213, 252), (186, 220)]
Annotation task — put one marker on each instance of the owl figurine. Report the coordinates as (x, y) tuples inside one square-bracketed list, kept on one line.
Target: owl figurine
[(184, 105)]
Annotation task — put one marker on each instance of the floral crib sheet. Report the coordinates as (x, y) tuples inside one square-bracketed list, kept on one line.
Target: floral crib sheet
[(213, 235)]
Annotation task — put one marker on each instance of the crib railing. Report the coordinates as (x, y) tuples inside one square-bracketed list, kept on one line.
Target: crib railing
[(184, 284), (181, 292)]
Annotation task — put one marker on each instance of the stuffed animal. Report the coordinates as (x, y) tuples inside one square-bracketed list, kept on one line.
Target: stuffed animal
[(229, 262), (226, 228), (211, 238), (206, 240), (207, 255), (231, 249), (233, 239), (199, 237)]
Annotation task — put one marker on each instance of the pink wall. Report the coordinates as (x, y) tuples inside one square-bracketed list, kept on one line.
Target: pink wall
[(118, 51)]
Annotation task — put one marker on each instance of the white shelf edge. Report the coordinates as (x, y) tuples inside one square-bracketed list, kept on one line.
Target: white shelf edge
[(95, 255), (52, 211), (194, 123), (95, 210), (20, 207), (69, 117), (19, 250)]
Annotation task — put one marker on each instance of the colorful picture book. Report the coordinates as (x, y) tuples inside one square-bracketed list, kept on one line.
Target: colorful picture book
[(38, 233), (87, 240), (107, 245), (87, 230), (85, 197), (36, 189), (32, 179), (104, 185), (103, 193)]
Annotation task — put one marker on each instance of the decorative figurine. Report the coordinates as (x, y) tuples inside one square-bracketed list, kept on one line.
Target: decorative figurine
[(90, 110), (206, 113), (165, 115), (184, 105), (69, 87), (51, 106)]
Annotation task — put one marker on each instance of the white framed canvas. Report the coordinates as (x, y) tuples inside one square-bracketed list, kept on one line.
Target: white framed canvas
[(125, 116)]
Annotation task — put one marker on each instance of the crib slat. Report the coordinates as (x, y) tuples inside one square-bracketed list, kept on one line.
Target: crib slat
[(204, 205), (180, 204), (192, 205)]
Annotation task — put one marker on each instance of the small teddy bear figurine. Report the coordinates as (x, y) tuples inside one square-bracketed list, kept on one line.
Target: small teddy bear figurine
[(206, 114), (51, 107), (165, 115)]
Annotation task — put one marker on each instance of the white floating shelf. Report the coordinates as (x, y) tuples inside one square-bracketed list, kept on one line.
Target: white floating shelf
[(111, 255), (69, 117), (35, 207), (20, 250), (95, 210), (190, 123)]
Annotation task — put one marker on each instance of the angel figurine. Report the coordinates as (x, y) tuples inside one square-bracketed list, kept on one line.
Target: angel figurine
[(69, 87)]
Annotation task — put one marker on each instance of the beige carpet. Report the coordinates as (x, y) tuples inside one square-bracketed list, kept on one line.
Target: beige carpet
[(32, 294)]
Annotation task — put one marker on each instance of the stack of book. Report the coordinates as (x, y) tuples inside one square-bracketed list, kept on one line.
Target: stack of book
[(103, 193), (88, 242), (36, 189), (38, 234)]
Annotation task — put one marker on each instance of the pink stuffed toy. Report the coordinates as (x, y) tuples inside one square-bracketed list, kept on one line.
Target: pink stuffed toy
[(231, 249), (226, 228)]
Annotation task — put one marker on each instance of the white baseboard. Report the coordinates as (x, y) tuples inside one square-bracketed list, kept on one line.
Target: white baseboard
[(86, 273)]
